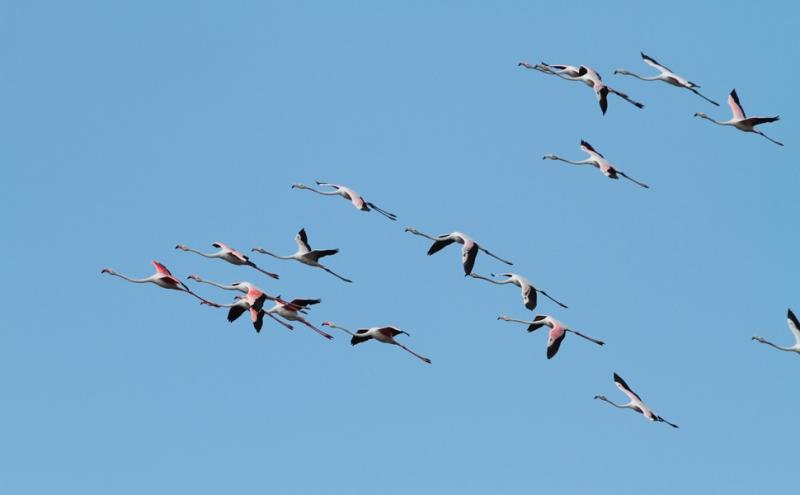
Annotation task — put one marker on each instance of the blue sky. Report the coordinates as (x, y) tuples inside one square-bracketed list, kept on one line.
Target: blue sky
[(132, 126)]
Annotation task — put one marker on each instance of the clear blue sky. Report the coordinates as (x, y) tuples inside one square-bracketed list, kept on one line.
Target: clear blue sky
[(131, 126)]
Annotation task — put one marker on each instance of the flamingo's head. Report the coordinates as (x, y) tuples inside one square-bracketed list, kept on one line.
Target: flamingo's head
[(503, 317), (760, 339), (601, 397), (259, 250), (549, 157), (700, 114), (108, 270), (182, 247), (328, 324), (412, 230), (622, 71), (195, 278), (299, 186)]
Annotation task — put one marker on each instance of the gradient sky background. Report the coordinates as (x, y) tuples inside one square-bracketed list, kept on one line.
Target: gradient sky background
[(131, 126)]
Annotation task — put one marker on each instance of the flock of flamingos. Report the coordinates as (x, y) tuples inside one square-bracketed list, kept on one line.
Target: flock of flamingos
[(252, 299)]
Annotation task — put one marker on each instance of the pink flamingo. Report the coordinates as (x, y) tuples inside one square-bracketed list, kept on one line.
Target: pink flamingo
[(162, 278), (557, 331), (635, 403), (740, 120), (290, 310), (228, 254), (597, 160), (252, 302), (381, 334), (349, 194)]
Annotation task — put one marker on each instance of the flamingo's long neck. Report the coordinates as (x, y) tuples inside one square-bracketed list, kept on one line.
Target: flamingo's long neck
[(207, 255), (425, 235), (343, 329), (654, 78), (780, 348), (324, 193), (221, 286), (521, 321), (134, 280), (587, 161), (620, 406), (716, 121)]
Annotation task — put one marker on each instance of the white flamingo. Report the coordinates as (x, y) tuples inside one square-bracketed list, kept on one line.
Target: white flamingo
[(228, 254), (591, 78), (527, 288), (666, 75), (468, 253), (597, 160), (358, 201), (794, 327), (306, 255), (740, 120), (635, 403), (381, 334)]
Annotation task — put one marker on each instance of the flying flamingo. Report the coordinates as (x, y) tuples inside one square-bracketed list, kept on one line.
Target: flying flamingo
[(253, 302), (228, 254), (468, 253), (306, 255), (162, 278), (290, 310), (595, 159), (381, 334), (557, 331), (740, 120), (667, 76), (635, 403), (528, 290), (358, 201), (794, 326), (591, 78)]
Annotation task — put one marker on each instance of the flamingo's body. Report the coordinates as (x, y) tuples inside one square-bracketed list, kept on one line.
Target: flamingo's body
[(742, 121), (589, 77), (794, 327), (558, 331), (635, 403), (597, 160), (162, 278), (469, 251), (349, 194), (381, 334), (252, 302), (526, 287), (228, 254), (290, 310), (306, 255), (666, 75)]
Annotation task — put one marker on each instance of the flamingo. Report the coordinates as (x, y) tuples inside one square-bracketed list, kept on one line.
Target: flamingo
[(358, 201), (794, 326), (667, 76), (381, 334), (306, 255), (528, 290), (228, 254), (162, 278), (740, 120), (595, 159), (253, 302), (591, 78), (290, 310), (557, 331), (635, 403), (468, 253)]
